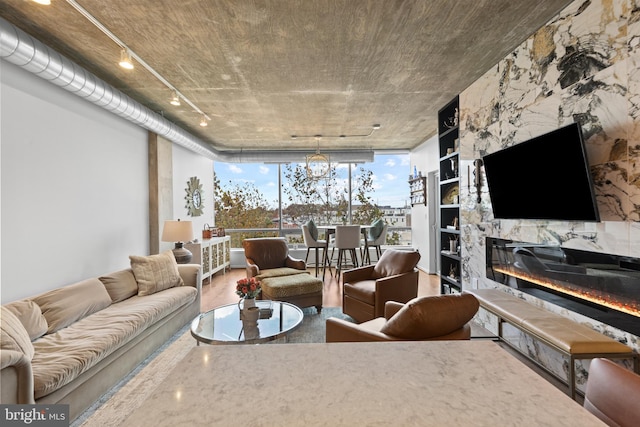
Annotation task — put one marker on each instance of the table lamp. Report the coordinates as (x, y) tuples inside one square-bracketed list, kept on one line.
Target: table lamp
[(179, 232)]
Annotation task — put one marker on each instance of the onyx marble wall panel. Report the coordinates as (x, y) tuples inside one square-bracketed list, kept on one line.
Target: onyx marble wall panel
[(583, 66)]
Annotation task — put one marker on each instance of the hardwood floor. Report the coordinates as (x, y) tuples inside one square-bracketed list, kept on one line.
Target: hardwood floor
[(221, 291)]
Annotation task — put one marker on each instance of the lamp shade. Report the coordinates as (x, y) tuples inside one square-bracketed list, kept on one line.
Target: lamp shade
[(177, 231)]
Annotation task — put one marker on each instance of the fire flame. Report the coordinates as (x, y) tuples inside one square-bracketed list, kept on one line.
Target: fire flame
[(591, 295)]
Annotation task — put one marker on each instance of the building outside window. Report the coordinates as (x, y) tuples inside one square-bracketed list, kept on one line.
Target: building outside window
[(260, 200)]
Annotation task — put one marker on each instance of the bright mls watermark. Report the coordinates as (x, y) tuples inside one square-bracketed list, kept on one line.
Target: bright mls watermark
[(34, 415)]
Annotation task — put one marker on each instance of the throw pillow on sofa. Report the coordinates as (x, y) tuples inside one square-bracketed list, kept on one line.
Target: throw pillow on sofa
[(155, 273), (64, 306), (30, 315), (120, 284), (13, 335)]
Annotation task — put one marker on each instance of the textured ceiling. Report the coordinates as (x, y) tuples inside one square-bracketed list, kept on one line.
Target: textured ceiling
[(266, 70)]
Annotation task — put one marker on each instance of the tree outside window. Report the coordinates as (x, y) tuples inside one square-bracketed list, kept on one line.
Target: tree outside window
[(243, 206), (242, 200)]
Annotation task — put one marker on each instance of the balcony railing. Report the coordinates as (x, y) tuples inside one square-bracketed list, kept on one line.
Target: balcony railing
[(294, 235)]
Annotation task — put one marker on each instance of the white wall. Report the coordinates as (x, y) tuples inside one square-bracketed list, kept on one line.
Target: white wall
[(186, 164), (425, 158), (74, 187)]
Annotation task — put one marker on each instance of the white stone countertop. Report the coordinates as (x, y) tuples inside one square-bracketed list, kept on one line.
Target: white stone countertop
[(437, 383)]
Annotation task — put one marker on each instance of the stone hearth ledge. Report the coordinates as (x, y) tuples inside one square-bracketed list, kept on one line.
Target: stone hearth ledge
[(397, 383)]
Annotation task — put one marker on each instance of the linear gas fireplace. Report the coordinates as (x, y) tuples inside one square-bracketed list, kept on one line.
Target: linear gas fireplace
[(601, 286)]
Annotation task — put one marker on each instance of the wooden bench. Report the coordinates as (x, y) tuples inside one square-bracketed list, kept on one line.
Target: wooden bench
[(573, 340)]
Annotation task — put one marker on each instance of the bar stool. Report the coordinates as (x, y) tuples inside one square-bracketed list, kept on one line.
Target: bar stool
[(374, 242), (347, 240), (317, 244)]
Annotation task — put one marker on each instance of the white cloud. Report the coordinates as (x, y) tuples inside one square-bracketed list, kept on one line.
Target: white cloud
[(271, 184), (264, 170), (235, 169), (390, 163), (390, 177), (404, 160)]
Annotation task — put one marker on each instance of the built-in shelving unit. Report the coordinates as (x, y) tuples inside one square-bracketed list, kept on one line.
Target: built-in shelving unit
[(449, 144), (418, 188)]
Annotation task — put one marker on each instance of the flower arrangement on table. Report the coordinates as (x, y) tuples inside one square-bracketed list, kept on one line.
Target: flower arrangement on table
[(248, 288)]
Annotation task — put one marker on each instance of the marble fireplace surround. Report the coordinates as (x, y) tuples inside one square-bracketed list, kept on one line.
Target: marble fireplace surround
[(604, 287)]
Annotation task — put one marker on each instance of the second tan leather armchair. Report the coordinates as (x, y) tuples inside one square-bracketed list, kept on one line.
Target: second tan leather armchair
[(443, 317)]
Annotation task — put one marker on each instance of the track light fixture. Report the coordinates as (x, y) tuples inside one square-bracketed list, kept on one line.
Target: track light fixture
[(373, 129), (127, 54), (175, 99), (125, 60)]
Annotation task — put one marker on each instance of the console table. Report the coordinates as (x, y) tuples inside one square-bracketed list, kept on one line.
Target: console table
[(347, 384), (213, 254)]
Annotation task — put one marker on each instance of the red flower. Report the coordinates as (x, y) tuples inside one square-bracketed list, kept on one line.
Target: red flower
[(248, 288)]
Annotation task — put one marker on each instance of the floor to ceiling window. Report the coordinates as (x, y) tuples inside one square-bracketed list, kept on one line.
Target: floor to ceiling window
[(255, 200)]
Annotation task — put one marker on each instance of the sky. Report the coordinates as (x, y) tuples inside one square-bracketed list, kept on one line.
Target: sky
[(390, 173)]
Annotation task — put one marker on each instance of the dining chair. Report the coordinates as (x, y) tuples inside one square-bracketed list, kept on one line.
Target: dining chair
[(373, 241), (347, 241), (312, 242)]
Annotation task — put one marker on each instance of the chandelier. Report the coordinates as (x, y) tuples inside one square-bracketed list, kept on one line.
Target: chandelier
[(318, 165)]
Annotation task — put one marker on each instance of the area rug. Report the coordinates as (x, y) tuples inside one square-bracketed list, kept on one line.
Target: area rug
[(114, 407)]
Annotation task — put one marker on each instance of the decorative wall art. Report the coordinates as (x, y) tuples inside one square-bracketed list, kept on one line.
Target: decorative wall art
[(194, 197)]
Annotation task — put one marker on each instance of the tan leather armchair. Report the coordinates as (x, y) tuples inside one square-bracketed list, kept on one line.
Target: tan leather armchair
[(443, 317), (612, 393), (393, 278), (269, 257)]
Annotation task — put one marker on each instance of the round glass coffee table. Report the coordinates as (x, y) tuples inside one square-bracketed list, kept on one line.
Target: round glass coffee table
[(223, 325)]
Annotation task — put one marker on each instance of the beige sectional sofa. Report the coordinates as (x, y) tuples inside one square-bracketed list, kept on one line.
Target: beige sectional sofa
[(72, 344)]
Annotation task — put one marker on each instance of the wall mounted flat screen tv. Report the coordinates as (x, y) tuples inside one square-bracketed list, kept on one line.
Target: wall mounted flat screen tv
[(546, 177)]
